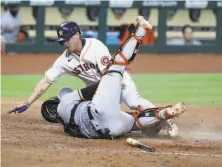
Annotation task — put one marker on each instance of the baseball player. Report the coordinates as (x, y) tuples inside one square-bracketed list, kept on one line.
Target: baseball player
[(102, 118), (87, 59)]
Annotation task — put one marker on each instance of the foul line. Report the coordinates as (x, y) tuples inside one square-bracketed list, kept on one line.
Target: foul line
[(64, 147), (189, 154)]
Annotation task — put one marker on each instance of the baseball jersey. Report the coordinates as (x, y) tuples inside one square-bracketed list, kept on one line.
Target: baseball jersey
[(71, 64), (10, 27), (93, 58)]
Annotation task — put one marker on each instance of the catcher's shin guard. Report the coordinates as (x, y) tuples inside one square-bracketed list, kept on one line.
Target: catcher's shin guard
[(128, 50), (120, 57), (161, 114), (133, 41), (49, 109)]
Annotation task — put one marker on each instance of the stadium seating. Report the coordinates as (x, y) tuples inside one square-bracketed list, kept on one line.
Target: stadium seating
[(182, 17), (53, 17)]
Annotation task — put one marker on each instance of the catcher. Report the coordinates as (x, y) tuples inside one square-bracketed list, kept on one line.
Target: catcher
[(50, 106), (88, 59)]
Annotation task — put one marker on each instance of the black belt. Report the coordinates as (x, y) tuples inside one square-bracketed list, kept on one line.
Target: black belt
[(106, 134)]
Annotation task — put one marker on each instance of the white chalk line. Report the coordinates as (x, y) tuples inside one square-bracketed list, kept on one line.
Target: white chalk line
[(111, 151), (189, 154)]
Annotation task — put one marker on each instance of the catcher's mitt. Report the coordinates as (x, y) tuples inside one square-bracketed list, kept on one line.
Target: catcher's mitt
[(49, 109)]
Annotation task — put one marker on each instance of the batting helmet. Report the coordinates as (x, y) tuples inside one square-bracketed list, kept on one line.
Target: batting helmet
[(66, 30)]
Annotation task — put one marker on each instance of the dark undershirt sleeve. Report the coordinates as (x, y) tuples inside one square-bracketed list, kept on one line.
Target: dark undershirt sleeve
[(89, 91)]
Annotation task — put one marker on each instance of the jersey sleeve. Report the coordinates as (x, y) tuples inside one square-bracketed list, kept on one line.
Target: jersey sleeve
[(55, 71), (103, 58)]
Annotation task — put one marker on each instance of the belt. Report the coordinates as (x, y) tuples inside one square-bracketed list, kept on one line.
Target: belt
[(103, 135)]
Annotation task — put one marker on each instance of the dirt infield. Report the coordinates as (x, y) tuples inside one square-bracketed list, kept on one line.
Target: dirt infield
[(28, 140)]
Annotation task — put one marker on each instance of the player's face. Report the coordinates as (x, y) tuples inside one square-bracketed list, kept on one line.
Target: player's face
[(188, 34), (72, 44), (14, 10)]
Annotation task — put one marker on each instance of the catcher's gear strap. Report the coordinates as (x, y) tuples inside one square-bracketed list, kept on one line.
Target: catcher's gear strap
[(137, 115), (119, 51), (102, 135), (73, 129), (151, 112), (88, 92)]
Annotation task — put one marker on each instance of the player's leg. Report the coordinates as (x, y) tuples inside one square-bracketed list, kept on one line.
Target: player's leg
[(146, 118), (107, 103), (107, 97), (132, 44), (130, 96)]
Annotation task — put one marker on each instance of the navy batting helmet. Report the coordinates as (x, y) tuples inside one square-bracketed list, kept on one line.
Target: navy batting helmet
[(66, 30)]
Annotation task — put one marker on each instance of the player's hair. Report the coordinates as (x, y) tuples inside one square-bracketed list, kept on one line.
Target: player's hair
[(185, 27)]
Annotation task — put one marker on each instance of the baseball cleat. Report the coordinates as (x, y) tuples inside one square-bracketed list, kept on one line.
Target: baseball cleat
[(170, 127), (175, 110), (144, 23)]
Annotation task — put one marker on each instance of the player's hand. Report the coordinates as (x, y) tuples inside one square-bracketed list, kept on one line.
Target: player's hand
[(19, 109)]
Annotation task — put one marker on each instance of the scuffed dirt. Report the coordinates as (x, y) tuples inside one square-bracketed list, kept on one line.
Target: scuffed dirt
[(28, 140)]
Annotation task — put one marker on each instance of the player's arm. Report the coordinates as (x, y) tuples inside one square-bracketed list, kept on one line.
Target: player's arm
[(50, 76), (39, 90)]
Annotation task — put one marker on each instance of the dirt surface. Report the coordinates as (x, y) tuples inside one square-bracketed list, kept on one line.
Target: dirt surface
[(28, 140)]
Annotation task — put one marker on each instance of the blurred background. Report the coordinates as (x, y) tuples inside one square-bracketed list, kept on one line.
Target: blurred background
[(187, 34), (181, 23)]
